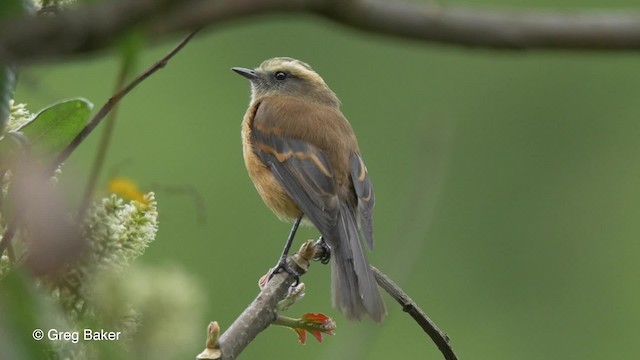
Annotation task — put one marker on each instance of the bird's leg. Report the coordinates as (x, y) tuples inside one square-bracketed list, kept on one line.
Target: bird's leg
[(282, 263), (323, 255)]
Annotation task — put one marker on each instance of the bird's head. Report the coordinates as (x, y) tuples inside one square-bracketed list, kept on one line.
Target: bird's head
[(286, 76)]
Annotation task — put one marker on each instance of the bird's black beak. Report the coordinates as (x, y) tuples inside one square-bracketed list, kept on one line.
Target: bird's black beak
[(248, 73)]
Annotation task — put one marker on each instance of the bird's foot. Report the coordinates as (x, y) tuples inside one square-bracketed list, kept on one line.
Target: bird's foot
[(283, 266), (324, 252)]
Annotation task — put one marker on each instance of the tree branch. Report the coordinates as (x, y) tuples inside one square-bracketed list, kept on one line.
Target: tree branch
[(262, 311), (91, 28), (409, 306)]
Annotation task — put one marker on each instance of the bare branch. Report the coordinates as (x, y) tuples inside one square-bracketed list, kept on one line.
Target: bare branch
[(262, 311), (255, 318), (91, 28), (496, 28), (409, 306)]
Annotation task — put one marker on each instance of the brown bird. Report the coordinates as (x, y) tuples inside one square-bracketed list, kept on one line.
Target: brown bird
[(303, 158)]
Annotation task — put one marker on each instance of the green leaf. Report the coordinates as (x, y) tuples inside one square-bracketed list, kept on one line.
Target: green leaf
[(53, 128)]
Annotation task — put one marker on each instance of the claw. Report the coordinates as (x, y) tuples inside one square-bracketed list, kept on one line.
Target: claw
[(324, 254), (283, 266), (282, 263)]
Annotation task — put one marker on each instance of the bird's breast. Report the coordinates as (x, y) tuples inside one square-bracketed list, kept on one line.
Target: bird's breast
[(272, 192)]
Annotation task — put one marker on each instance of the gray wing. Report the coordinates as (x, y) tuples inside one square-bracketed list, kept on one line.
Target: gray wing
[(305, 173), (365, 196)]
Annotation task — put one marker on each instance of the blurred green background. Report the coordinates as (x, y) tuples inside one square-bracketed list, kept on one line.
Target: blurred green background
[(507, 185)]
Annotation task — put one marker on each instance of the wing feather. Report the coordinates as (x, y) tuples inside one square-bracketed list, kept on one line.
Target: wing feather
[(365, 196), (303, 169)]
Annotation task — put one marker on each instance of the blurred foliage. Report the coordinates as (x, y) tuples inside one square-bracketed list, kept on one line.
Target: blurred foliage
[(7, 85), (56, 290), (22, 312), (506, 184)]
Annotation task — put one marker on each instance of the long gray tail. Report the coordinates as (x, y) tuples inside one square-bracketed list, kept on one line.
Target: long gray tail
[(354, 288)]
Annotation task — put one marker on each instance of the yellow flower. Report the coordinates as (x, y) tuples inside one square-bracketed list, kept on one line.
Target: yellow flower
[(127, 189)]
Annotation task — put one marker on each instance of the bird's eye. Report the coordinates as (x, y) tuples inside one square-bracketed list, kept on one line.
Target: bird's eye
[(281, 75)]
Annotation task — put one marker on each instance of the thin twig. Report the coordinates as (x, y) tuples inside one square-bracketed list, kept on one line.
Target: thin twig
[(409, 306), (108, 106), (105, 140)]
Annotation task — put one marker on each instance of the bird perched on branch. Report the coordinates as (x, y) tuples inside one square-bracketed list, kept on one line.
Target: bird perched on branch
[(303, 157)]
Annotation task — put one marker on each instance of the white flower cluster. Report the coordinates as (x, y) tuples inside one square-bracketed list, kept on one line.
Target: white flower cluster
[(118, 231), (5, 265), (39, 4), (18, 116)]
